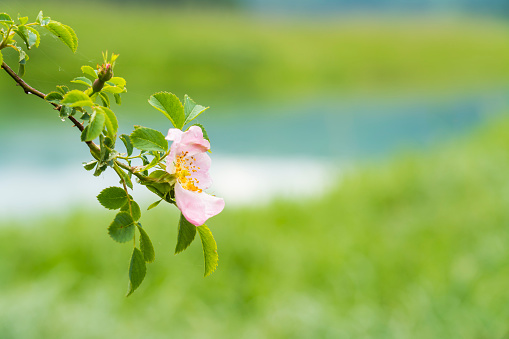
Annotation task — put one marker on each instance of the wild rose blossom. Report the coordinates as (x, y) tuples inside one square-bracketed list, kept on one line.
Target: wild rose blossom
[(190, 164)]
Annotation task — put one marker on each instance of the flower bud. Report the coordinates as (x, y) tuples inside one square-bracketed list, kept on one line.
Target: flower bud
[(105, 72), (98, 85)]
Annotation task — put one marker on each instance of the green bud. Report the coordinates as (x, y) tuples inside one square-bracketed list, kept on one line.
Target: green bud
[(105, 72)]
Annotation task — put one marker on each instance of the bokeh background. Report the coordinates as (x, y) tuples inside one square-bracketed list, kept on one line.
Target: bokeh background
[(361, 148)]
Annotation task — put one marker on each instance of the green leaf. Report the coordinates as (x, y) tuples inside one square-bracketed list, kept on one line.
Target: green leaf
[(136, 210), (122, 227), (154, 204), (43, 21), (23, 20), (23, 57), (34, 37), (1, 58), (90, 165), (63, 89), (77, 98), (96, 125), (117, 81), (124, 176), (112, 89), (21, 69), (169, 105), (191, 109), (64, 33), (205, 135), (111, 121), (29, 35), (54, 97), (209, 249), (146, 246), (186, 235), (4, 17), (65, 111), (147, 139), (82, 80), (137, 271), (105, 100), (127, 143), (112, 198), (118, 99), (23, 33), (89, 71)]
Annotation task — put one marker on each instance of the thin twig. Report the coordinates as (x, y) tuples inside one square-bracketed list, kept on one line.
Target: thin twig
[(95, 150)]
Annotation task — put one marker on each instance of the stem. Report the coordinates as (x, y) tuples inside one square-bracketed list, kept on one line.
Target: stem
[(6, 37), (94, 149)]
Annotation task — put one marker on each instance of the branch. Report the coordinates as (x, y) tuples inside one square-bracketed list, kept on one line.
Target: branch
[(94, 149)]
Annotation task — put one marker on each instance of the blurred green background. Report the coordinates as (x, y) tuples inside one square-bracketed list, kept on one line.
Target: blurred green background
[(405, 108)]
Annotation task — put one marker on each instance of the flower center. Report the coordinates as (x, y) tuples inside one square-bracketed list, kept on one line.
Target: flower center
[(184, 168)]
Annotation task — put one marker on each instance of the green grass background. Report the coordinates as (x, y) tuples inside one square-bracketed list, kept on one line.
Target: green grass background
[(412, 248)]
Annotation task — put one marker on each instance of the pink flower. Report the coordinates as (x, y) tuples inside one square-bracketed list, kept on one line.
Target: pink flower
[(190, 163)]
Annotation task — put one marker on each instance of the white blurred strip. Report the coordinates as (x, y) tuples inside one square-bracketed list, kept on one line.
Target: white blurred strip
[(29, 191)]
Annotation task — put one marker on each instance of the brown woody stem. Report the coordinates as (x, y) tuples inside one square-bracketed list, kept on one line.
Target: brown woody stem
[(94, 149)]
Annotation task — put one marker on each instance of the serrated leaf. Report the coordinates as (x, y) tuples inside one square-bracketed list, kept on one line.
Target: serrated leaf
[(82, 80), (154, 204), (209, 249), (76, 98), (73, 36), (34, 37), (146, 246), (112, 198), (65, 111), (89, 165), (96, 125), (104, 99), (4, 17), (84, 134), (112, 89), (147, 139), (23, 34), (117, 81), (186, 234), (170, 106), (111, 121), (205, 135), (191, 109), (23, 20), (43, 21), (137, 271), (64, 33), (54, 97), (135, 208), (122, 228), (127, 143), (89, 71), (63, 89)]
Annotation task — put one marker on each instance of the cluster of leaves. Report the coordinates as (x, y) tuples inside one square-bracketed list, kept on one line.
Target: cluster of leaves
[(99, 123), (30, 36)]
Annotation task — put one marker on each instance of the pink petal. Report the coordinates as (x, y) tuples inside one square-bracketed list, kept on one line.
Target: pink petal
[(197, 207), (174, 134), (194, 136)]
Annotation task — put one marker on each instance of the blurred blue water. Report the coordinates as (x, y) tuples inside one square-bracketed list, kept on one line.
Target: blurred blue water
[(343, 132), (358, 131)]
